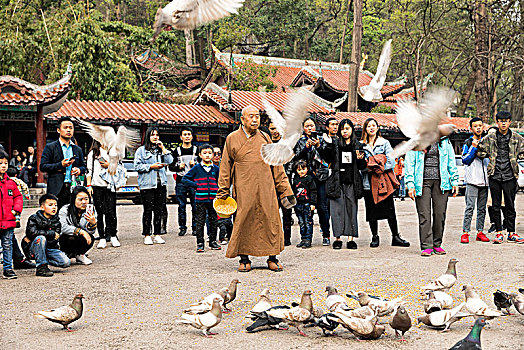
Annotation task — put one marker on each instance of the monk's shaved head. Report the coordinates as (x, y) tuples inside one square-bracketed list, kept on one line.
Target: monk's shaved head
[(250, 109), (250, 119)]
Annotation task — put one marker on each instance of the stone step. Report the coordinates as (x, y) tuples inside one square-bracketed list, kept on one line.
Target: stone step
[(32, 203), (37, 191)]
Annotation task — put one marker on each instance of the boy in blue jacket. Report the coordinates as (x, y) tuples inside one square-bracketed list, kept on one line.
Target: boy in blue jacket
[(204, 176)]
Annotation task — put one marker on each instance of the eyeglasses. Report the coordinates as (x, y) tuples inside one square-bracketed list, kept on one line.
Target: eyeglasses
[(218, 153)]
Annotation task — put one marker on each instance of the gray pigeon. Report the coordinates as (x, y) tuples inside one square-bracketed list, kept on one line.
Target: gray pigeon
[(477, 306), (204, 320), (518, 301), (502, 301), (231, 295), (445, 318), (400, 321), (334, 301), (64, 315), (445, 281), (432, 304), (472, 341)]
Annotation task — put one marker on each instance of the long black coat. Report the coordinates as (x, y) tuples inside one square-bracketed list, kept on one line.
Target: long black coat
[(51, 163)]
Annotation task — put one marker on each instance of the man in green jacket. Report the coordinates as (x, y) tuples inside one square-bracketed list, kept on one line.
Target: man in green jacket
[(502, 148)]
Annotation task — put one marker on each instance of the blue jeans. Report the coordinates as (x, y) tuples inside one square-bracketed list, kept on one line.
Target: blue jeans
[(184, 192), (402, 188), (44, 256), (305, 221), (6, 236), (323, 208)]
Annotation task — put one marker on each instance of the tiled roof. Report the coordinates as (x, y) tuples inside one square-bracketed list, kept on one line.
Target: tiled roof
[(18, 92), (148, 112), (241, 99)]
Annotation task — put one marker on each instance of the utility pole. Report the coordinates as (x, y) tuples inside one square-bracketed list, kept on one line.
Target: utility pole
[(354, 64)]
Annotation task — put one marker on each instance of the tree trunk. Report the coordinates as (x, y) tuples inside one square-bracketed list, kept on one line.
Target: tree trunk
[(516, 96), (466, 94), (201, 60), (189, 46), (481, 56), (354, 64), (344, 33)]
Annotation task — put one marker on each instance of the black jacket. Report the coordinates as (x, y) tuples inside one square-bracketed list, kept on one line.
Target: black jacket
[(51, 163), (330, 152), (312, 155), (305, 189), (39, 225)]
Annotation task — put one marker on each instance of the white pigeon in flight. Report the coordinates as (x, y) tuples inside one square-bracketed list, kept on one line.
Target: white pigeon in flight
[(189, 14), (371, 92), (289, 126), (114, 143), (422, 123)]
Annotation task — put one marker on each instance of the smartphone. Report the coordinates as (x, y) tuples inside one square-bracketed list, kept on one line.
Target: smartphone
[(102, 160), (314, 135), (90, 208)]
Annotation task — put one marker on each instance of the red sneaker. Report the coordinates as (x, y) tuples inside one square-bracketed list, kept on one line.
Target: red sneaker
[(513, 237), (482, 237), (499, 238), (465, 238)]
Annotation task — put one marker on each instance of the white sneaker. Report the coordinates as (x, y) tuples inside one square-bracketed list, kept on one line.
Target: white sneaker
[(114, 242), (82, 259), (102, 244), (148, 240), (159, 240)]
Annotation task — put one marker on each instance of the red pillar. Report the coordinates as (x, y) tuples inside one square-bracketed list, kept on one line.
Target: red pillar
[(40, 141)]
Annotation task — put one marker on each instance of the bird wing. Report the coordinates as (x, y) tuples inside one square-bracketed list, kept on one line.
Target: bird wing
[(433, 109), (276, 118), (334, 301), (65, 314), (408, 118), (383, 64), (189, 14), (102, 133), (444, 298), (198, 308)]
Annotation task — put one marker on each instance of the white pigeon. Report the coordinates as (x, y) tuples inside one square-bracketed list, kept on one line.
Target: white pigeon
[(64, 315), (422, 123), (189, 14), (445, 281), (442, 298), (371, 92), (289, 126), (444, 318), (366, 328), (114, 143), (335, 301), (207, 303), (477, 306), (383, 307), (263, 304), (204, 320)]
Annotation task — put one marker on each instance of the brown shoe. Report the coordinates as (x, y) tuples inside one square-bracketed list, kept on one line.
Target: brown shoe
[(244, 267), (274, 266)]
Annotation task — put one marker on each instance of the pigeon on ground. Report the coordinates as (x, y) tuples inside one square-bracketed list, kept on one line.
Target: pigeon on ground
[(371, 92), (231, 295), (444, 298), (502, 301), (432, 304), (114, 143), (383, 307), (400, 321), (263, 304), (335, 301), (289, 126), (365, 328), (327, 322), (355, 297), (472, 341), (477, 306), (189, 14), (361, 312), (445, 281), (207, 303), (204, 320), (64, 315), (295, 316), (421, 124), (518, 301), (445, 318), (521, 290)]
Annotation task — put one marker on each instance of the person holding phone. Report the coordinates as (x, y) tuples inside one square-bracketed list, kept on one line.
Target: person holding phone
[(151, 160), (103, 198), (78, 225)]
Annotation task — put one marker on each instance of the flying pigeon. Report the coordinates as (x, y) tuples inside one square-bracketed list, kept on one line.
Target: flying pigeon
[(114, 143), (371, 92), (432, 304), (295, 316), (445, 281), (518, 301), (334, 300), (289, 126), (445, 318), (64, 315), (477, 306), (365, 328), (263, 304), (189, 14), (231, 295), (472, 341), (204, 320), (502, 301), (421, 124), (206, 304), (383, 307), (400, 321)]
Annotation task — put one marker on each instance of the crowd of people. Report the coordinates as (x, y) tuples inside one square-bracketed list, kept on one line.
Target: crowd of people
[(328, 174)]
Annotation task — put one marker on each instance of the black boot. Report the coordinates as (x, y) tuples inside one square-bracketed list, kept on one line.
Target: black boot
[(375, 241), (398, 241), (43, 271)]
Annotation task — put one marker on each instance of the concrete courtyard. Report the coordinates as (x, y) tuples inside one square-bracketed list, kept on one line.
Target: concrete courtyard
[(134, 294)]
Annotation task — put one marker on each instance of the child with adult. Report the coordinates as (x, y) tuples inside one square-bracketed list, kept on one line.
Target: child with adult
[(78, 221), (305, 191), (203, 177), (12, 204), (42, 237), (374, 144), (344, 185), (430, 177), (151, 160)]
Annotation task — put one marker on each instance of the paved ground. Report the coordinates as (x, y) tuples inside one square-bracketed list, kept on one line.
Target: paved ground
[(134, 293)]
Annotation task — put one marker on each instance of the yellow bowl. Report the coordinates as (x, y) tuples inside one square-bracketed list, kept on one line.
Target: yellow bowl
[(225, 207)]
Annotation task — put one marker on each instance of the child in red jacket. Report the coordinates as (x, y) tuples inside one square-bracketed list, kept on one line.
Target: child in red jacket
[(11, 205)]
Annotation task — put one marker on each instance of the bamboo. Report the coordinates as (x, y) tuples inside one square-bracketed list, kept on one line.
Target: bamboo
[(49, 39)]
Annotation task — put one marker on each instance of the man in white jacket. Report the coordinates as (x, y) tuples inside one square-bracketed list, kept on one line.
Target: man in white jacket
[(477, 182)]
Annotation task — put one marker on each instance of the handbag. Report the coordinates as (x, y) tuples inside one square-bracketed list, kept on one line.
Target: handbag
[(322, 174)]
